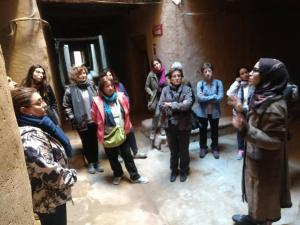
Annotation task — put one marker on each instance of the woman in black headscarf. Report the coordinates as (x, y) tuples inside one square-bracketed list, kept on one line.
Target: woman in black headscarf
[(265, 173)]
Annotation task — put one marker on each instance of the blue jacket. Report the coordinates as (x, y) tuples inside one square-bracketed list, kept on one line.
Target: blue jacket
[(206, 94)]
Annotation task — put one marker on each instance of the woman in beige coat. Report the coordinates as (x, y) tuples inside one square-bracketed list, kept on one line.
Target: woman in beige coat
[(265, 172)]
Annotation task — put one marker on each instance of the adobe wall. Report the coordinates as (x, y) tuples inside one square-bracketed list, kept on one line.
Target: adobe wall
[(198, 31), (26, 46), (15, 192)]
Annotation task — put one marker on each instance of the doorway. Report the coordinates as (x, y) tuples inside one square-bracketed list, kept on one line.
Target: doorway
[(87, 51)]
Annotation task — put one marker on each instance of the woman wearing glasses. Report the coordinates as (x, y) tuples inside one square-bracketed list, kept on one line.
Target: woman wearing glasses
[(265, 173), (36, 78), (46, 150), (175, 103)]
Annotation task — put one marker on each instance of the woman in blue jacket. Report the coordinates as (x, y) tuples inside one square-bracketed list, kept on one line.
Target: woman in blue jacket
[(209, 96)]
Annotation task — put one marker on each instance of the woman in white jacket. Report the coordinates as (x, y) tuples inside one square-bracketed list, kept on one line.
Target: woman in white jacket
[(241, 91)]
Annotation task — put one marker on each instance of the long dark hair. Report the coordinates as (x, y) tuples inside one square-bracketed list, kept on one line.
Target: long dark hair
[(28, 81), (153, 60), (241, 67)]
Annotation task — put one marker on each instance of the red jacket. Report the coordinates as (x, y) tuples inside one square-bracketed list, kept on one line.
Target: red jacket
[(98, 115)]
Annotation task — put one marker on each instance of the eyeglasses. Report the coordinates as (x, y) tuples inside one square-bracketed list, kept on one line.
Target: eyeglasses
[(39, 102)]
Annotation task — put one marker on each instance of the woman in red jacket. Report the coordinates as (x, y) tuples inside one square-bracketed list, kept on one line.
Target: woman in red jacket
[(110, 111)]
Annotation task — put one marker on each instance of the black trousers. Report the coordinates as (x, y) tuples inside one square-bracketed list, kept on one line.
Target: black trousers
[(59, 217), (178, 141), (124, 151), (214, 127), (90, 143), (240, 141), (132, 142)]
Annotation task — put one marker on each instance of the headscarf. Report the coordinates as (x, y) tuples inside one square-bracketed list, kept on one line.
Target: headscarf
[(274, 78)]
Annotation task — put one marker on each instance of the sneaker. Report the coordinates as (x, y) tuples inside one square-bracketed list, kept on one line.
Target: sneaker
[(216, 153), (120, 159), (140, 155), (98, 168), (152, 135), (203, 152), (91, 168), (240, 155), (141, 180), (243, 220), (183, 177), (173, 176), (117, 180), (162, 132)]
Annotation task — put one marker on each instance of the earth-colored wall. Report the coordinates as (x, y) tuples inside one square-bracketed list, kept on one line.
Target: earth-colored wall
[(15, 193), (26, 46), (197, 31)]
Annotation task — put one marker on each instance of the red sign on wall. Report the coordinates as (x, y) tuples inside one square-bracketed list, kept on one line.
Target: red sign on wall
[(157, 30)]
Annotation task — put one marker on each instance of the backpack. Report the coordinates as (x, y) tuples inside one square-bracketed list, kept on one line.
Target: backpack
[(291, 95)]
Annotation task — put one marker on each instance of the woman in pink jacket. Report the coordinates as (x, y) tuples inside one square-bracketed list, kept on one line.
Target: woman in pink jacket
[(110, 110)]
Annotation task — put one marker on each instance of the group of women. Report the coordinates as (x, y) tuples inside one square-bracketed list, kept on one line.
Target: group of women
[(260, 117), (101, 114), (168, 102), (94, 113)]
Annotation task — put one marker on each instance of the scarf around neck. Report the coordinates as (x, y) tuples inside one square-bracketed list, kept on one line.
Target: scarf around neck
[(109, 118), (162, 78), (47, 125)]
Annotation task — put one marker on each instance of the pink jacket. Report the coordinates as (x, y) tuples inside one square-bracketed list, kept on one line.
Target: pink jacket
[(98, 115)]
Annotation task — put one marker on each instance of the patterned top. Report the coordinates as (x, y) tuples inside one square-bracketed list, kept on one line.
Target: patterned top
[(48, 171)]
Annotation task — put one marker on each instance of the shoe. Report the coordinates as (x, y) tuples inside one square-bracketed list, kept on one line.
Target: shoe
[(141, 180), (216, 153), (243, 220), (183, 177), (98, 168), (240, 154), (120, 159), (91, 168), (36, 216), (162, 132), (117, 180), (173, 176), (140, 155), (203, 152), (152, 135)]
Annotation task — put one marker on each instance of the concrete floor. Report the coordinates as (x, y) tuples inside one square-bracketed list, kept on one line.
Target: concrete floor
[(211, 195)]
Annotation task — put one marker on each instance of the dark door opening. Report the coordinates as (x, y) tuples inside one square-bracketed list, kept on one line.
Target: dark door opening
[(76, 28), (88, 51)]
